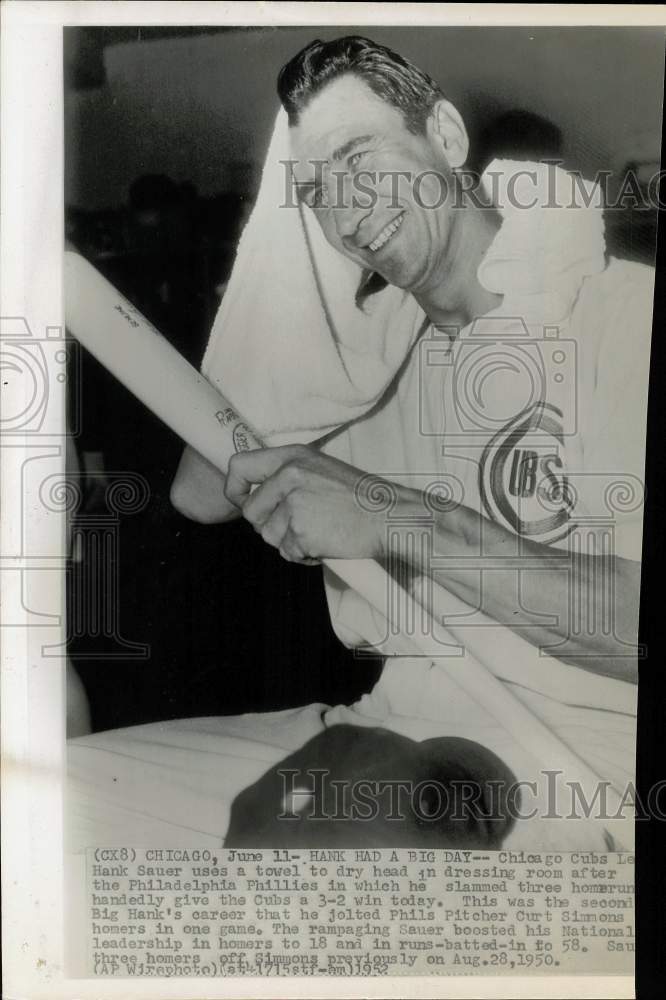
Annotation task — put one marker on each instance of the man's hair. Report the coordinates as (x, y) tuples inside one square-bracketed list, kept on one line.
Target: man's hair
[(389, 76)]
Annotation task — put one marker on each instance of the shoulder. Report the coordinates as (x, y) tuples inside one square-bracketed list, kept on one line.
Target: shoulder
[(620, 282), (613, 315)]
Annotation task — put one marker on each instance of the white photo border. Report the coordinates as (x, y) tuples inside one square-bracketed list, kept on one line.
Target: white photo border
[(33, 687)]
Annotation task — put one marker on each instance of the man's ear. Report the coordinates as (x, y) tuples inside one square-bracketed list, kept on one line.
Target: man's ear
[(447, 129)]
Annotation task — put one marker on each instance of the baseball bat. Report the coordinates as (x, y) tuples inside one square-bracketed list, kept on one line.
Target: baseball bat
[(123, 340)]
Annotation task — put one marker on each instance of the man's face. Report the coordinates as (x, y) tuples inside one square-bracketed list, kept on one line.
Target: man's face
[(383, 195)]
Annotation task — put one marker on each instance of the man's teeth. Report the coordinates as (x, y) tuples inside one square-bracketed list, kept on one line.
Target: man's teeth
[(386, 234)]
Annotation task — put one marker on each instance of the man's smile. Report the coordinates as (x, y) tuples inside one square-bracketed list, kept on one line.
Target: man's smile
[(386, 234)]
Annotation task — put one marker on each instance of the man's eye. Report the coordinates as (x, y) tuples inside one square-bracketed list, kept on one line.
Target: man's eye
[(355, 158)]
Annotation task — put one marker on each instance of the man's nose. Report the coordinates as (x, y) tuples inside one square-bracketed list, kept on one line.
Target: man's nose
[(348, 222), (349, 214)]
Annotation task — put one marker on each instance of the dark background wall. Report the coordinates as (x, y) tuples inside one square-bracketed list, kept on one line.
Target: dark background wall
[(165, 133), (200, 107)]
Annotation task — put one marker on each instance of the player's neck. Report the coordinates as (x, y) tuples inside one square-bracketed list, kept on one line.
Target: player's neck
[(456, 297)]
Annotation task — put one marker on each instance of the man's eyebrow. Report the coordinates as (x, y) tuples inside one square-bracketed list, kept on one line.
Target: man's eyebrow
[(346, 147)]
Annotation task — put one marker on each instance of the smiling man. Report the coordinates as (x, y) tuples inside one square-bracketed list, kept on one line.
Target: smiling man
[(385, 190), (499, 473), (377, 157)]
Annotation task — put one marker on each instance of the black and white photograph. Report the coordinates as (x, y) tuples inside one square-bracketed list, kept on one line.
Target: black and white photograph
[(343, 452)]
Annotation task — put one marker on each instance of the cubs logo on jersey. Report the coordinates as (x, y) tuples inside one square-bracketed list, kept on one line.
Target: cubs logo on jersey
[(522, 481)]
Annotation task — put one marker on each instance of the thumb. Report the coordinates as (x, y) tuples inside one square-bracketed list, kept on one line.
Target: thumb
[(248, 468)]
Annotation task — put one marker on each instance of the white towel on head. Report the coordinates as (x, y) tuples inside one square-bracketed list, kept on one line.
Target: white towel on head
[(289, 347), (551, 238), (298, 358)]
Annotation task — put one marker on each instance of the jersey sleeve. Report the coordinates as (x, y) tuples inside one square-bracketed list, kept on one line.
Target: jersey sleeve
[(614, 420)]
